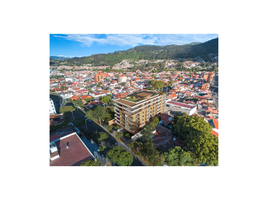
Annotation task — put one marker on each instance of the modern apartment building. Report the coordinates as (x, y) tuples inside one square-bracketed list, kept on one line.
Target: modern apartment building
[(134, 111)]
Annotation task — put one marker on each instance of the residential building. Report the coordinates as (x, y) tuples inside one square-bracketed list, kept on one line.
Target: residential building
[(122, 78), (190, 108), (99, 76), (52, 109), (210, 76), (69, 150), (205, 86), (134, 111)]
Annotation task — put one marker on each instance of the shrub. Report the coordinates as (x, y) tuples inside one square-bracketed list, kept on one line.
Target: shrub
[(119, 135)]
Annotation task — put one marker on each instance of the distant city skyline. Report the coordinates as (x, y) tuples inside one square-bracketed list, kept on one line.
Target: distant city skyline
[(80, 45)]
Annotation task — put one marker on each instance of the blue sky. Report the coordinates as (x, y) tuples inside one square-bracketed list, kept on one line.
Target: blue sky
[(80, 45)]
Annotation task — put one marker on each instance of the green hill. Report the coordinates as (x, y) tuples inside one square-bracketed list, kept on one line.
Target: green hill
[(148, 52)]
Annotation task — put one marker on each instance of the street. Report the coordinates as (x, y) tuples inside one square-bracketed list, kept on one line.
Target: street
[(110, 141)]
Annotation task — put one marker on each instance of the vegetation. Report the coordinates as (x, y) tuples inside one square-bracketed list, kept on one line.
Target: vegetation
[(65, 109), (147, 52), (157, 84), (149, 151), (147, 132), (109, 115), (176, 156), (154, 122), (99, 84), (109, 128), (98, 113), (120, 157), (96, 162), (102, 148), (118, 135), (197, 138), (106, 99), (102, 136), (79, 122)]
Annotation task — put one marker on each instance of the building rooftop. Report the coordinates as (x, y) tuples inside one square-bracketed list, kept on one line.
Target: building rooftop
[(72, 156)]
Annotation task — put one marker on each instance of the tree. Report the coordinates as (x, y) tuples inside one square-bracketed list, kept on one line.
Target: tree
[(148, 150), (89, 99), (80, 103), (65, 109), (197, 138), (102, 148), (153, 76), (176, 156), (99, 84), (120, 157), (154, 122), (96, 162), (98, 113), (119, 135), (147, 132), (106, 99), (109, 128), (102, 136)]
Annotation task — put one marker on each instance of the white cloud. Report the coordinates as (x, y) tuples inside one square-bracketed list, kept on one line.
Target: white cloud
[(138, 39)]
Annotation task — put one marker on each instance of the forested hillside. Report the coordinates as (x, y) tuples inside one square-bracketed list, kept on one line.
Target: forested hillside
[(147, 52)]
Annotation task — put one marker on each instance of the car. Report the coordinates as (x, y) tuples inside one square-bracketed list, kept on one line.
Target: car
[(89, 120)]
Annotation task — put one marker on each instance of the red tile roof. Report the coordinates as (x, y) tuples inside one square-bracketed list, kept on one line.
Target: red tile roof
[(74, 97), (74, 155), (165, 118), (84, 97)]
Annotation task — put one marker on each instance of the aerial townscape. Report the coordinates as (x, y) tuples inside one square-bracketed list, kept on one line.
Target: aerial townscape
[(150, 105)]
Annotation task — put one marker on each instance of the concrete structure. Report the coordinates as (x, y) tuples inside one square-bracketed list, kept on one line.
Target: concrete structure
[(205, 86), (122, 78), (134, 111), (99, 76), (210, 76), (192, 109), (52, 109)]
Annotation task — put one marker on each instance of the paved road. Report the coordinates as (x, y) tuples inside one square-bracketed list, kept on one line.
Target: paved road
[(111, 141)]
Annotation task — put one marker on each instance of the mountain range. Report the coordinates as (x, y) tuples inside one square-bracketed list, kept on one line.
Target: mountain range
[(147, 52)]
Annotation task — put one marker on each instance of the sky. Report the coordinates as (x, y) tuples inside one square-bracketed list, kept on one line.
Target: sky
[(79, 45)]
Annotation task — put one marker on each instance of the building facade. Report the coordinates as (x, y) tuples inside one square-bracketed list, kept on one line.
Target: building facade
[(52, 109), (134, 111), (122, 78), (205, 86)]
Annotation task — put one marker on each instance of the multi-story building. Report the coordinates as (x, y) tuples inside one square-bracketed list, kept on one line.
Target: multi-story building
[(134, 111), (99, 76), (205, 86), (122, 78), (52, 109), (210, 77)]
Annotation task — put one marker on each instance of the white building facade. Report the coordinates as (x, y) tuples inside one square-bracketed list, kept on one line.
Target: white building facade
[(52, 109)]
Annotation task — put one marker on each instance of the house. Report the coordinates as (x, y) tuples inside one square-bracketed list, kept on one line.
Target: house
[(215, 126), (172, 96), (55, 119), (191, 108), (164, 139), (74, 98), (165, 119), (96, 94), (69, 150)]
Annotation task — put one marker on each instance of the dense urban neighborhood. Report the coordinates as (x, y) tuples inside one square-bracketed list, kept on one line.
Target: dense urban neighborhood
[(158, 112)]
